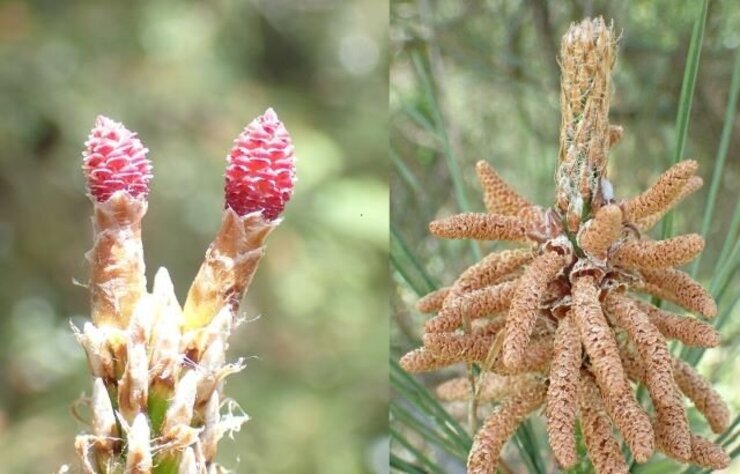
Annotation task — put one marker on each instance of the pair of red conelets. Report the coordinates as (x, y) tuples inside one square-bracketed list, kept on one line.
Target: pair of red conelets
[(259, 176)]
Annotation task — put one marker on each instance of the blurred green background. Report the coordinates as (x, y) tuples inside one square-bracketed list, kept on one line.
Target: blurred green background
[(187, 76), (474, 80)]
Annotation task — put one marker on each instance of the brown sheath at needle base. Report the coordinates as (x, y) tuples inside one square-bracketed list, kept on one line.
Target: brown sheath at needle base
[(117, 278), (228, 268)]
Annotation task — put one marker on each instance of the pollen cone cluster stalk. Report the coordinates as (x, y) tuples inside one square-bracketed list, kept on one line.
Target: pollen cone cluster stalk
[(158, 368), (560, 324)]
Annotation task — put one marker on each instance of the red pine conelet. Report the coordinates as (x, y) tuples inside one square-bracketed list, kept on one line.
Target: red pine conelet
[(261, 172), (115, 160)]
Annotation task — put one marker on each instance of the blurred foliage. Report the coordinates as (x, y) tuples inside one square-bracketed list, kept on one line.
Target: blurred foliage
[(475, 80), (188, 76)]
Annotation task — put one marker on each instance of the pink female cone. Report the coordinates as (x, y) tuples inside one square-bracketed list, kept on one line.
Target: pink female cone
[(118, 175), (115, 160), (260, 176)]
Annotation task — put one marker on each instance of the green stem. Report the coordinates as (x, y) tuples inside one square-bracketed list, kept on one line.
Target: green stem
[(719, 162), (687, 93), (452, 165)]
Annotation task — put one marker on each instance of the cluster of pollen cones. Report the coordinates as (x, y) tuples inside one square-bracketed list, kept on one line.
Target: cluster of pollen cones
[(158, 368), (558, 324)]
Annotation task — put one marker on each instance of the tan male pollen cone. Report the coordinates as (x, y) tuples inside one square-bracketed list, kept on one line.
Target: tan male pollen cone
[(564, 309)]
